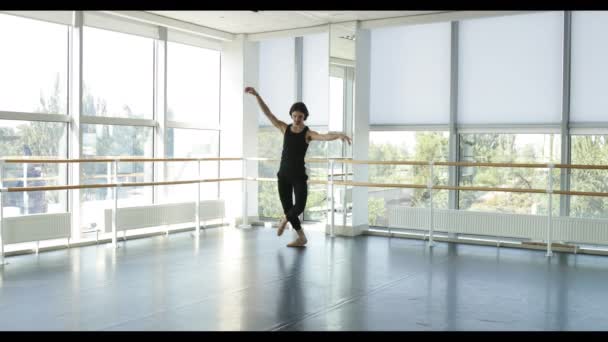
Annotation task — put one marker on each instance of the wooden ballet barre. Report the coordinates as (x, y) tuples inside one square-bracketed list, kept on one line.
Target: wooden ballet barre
[(262, 159), (525, 165), (191, 181), (313, 181), (580, 166), (310, 160), (58, 187), (383, 162), (380, 185), (112, 185), (106, 160), (57, 161), (580, 193), (445, 163), (473, 188)]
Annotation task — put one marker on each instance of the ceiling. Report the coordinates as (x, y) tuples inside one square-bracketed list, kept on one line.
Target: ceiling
[(248, 22)]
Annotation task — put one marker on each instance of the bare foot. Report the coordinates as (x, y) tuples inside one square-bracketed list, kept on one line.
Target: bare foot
[(282, 226), (299, 242)]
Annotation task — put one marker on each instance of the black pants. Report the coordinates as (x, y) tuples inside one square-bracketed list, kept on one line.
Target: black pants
[(287, 186)]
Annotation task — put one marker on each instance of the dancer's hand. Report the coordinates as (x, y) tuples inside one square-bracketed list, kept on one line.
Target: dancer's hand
[(345, 137), (252, 91)]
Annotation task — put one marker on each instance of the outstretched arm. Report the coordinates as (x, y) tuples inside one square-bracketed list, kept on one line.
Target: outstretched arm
[(273, 119), (312, 135)]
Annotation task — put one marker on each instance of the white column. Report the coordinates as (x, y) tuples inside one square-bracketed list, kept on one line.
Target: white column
[(430, 189), (197, 202), (160, 110), (115, 209), (360, 218), (238, 122), (74, 127), (26, 197), (2, 263), (331, 196), (245, 214), (550, 209)]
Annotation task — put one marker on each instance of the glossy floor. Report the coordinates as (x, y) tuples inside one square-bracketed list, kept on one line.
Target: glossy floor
[(233, 279)]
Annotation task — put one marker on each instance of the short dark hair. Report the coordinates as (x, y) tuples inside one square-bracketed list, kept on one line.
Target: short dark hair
[(299, 107)]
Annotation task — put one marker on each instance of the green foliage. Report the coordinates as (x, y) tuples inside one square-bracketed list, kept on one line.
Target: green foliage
[(429, 146), (592, 150), (376, 209), (495, 148)]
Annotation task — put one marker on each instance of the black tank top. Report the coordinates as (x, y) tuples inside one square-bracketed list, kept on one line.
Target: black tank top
[(294, 150)]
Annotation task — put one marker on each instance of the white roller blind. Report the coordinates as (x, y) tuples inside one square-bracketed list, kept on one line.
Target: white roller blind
[(510, 69), (194, 40), (315, 78), (114, 23), (589, 70), (410, 74), (276, 77), (57, 17)]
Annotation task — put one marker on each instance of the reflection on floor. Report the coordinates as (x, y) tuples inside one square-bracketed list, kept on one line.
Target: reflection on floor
[(247, 279)]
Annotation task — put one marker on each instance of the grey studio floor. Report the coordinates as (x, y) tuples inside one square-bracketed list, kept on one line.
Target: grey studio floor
[(247, 279)]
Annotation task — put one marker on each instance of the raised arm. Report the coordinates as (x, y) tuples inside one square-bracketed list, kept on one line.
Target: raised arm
[(312, 135), (273, 119)]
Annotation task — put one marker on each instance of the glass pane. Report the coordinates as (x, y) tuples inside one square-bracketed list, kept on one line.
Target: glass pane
[(193, 84), (33, 66), (113, 141), (410, 74), (192, 143), (589, 73), (399, 146), (336, 108), (33, 139), (117, 74), (509, 148), (510, 69), (270, 144), (589, 150)]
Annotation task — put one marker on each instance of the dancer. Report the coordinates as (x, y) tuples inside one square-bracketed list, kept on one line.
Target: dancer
[(292, 176)]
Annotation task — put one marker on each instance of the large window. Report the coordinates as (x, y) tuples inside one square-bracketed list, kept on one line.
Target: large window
[(276, 85), (193, 103), (117, 74), (33, 82), (589, 77), (508, 148), (400, 146), (117, 111)]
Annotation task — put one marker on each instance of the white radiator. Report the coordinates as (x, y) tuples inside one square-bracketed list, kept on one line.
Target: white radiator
[(36, 227), (163, 214), (578, 230)]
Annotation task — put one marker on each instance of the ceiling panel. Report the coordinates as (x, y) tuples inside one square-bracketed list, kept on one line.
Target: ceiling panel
[(266, 21)]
